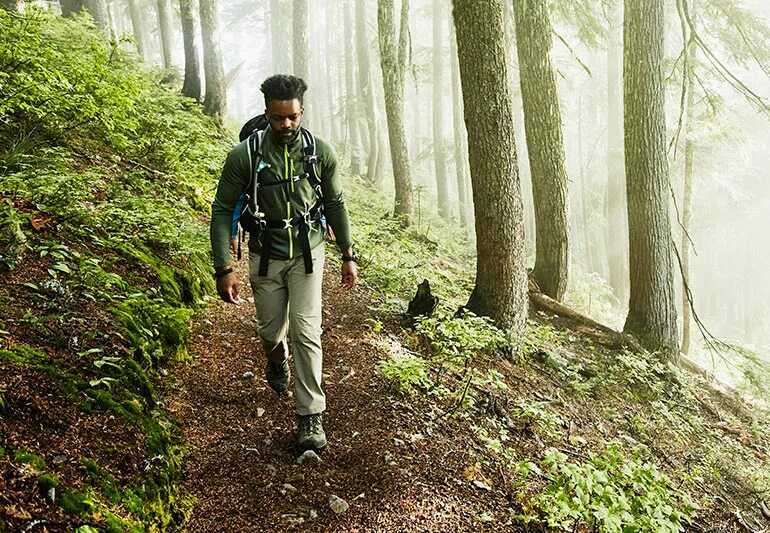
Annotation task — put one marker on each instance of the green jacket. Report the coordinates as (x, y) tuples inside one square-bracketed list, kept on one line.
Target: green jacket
[(279, 201)]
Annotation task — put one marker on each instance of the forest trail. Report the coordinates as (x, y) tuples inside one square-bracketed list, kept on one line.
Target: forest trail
[(241, 465)]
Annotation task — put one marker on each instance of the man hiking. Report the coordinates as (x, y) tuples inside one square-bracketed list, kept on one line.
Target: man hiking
[(290, 180)]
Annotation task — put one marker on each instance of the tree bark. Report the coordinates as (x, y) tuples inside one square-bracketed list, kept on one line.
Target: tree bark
[(192, 67), (652, 312), (615, 207), (215, 101), (139, 34), (164, 29), (280, 40), (393, 49), (460, 135), (439, 152), (689, 157), (300, 46), (366, 89), (11, 5), (543, 128), (500, 291), (98, 11), (351, 98)]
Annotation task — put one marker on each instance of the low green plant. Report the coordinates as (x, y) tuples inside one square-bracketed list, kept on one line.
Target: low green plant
[(609, 492), (410, 373), (47, 482), (540, 416), (26, 457)]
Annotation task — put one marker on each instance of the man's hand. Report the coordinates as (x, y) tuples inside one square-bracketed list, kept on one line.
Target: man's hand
[(349, 274), (233, 245), (227, 288)]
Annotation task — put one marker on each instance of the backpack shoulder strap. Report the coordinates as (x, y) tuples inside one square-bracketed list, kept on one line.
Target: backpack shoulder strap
[(311, 159)]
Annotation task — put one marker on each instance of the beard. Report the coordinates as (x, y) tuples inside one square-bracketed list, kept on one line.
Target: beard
[(288, 135)]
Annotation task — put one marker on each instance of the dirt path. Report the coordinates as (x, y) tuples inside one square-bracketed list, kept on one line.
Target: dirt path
[(398, 467)]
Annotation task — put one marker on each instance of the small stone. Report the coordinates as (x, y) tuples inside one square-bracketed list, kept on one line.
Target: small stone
[(260, 411), (481, 485), (59, 459), (486, 516), (51, 494), (337, 504), (309, 456), (248, 375), (290, 488), (293, 478)]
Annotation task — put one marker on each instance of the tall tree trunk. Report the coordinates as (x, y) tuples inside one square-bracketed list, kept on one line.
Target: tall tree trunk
[(280, 37), (460, 137), (615, 207), (366, 89), (351, 98), (98, 11), (543, 128), (500, 290), (393, 49), (689, 156), (651, 310), (192, 67), (215, 101), (439, 152), (68, 7), (164, 28), (10, 5), (139, 34), (300, 46)]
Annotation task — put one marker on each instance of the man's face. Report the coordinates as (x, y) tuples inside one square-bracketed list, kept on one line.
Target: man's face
[(284, 117)]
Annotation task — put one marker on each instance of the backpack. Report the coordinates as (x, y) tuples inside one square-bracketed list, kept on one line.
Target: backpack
[(254, 221)]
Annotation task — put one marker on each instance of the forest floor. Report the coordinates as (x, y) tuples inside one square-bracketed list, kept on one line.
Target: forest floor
[(395, 464)]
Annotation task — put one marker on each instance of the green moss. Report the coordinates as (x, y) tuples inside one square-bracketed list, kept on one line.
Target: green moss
[(46, 482), (2, 452), (138, 381), (23, 355), (104, 480), (29, 458), (75, 503)]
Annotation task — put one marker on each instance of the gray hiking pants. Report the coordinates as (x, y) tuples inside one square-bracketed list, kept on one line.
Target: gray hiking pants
[(289, 299)]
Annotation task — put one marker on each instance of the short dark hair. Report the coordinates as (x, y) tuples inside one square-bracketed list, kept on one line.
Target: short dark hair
[(283, 87)]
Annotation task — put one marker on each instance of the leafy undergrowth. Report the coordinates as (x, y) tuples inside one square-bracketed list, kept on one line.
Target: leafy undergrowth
[(588, 439), (104, 175)]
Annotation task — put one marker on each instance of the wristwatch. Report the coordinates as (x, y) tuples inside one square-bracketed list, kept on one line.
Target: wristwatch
[(354, 257)]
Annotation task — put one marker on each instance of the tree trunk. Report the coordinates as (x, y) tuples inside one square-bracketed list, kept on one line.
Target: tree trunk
[(366, 89), (192, 68), (280, 40), (651, 311), (300, 46), (439, 153), (98, 11), (351, 98), (543, 128), (500, 290), (215, 101), (460, 137), (139, 34), (12, 5), (393, 49), (166, 35), (615, 207), (689, 153), (68, 7)]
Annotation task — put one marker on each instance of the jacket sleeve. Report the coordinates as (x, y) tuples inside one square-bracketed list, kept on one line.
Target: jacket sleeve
[(234, 179), (334, 203)]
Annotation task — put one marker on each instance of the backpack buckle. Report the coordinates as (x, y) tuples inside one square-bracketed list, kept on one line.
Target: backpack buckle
[(314, 159), (287, 223)]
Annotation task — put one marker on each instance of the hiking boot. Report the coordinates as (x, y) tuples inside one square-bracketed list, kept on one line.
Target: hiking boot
[(311, 432), (278, 375)]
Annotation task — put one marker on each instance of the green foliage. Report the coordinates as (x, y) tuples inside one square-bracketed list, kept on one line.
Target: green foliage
[(410, 373), (609, 492), (22, 355), (13, 240), (592, 295), (26, 457), (46, 482), (461, 337)]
